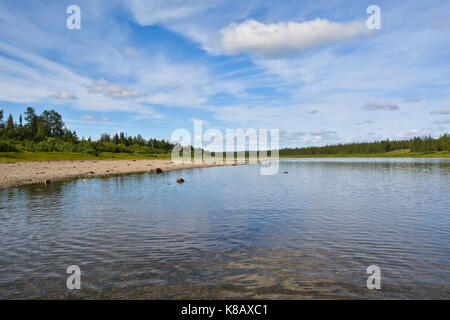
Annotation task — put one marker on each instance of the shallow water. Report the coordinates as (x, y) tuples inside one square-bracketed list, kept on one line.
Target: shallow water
[(229, 232)]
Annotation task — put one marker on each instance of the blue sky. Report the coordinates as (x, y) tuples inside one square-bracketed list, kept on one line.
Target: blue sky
[(309, 68)]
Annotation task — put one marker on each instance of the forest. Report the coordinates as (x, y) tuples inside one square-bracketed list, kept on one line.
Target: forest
[(47, 133), (416, 144)]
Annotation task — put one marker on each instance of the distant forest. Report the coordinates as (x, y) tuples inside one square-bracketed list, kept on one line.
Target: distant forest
[(417, 144), (47, 133)]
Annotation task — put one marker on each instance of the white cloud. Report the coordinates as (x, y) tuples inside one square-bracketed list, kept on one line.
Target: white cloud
[(280, 38), (308, 138), (443, 111), (412, 100), (317, 132), (382, 105), (365, 122), (64, 95), (87, 117), (446, 121), (90, 118), (113, 90), (414, 133), (408, 133)]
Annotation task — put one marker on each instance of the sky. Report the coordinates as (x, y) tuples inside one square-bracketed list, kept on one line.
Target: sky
[(309, 68)]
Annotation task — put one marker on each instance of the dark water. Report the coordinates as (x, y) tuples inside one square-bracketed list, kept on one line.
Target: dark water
[(231, 233)]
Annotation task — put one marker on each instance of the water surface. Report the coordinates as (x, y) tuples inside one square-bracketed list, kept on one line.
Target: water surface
[(229, 232)]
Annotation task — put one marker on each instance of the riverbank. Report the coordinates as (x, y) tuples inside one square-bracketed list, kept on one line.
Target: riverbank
[(15, 174), (393, 154), (58, 156)]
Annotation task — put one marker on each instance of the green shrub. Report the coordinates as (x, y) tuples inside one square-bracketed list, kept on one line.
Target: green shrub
[(7, 147)]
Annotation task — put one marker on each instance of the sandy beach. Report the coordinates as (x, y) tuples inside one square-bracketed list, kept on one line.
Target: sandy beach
[(20, 173)]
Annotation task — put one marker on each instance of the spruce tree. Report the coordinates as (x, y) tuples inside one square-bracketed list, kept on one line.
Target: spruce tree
[(10, 123)]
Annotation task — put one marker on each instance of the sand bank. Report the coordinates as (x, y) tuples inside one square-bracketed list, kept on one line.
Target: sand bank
[(20, 173)]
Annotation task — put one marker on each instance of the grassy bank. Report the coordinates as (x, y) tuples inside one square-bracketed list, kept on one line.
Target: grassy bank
[(393, 154), (58, 156)]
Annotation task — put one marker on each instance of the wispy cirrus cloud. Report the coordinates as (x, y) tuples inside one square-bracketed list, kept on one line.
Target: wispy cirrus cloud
[(159, 11), (18, 83), (381, 105), (443, 111), (88, 117), (445, 121), (323, 132), (365, 122)]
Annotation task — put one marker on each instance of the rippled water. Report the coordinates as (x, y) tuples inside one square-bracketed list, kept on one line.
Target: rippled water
[(229, 232)]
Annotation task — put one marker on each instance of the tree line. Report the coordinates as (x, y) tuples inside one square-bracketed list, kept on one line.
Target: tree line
[(416, 144), (47, 133)]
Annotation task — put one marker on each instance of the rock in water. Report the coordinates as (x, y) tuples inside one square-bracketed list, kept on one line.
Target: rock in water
[(48, 181), (180, 180), (158, 170)]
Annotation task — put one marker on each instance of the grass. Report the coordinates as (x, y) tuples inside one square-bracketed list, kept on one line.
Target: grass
[(393, 154), (59, 156)]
